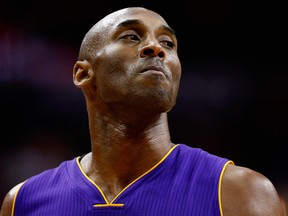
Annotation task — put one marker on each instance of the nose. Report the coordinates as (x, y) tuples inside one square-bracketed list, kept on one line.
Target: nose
[(152, 50)]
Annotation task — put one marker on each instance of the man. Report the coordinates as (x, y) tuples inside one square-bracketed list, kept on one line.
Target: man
[(129, 72)]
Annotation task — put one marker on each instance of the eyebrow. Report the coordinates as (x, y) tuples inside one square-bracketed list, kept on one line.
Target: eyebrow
[(132, 22)]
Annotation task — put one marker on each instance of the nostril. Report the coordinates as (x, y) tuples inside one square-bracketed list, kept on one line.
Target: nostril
[(161, 54), (148, 51), (152, 51)]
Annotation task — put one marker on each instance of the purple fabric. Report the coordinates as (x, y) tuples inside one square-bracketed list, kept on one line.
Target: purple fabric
[(185, 183)]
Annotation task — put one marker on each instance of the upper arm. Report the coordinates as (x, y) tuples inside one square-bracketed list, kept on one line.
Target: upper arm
[(8, 202), (247, 192)]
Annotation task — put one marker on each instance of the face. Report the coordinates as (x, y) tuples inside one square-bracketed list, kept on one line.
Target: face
[(135, 60)]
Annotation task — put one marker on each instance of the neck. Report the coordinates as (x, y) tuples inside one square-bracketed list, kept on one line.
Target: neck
[(123, 145), (123, 152)]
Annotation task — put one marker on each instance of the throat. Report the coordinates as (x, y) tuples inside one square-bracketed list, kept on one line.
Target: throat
[(112, 171), (111, 189), (111, 178)]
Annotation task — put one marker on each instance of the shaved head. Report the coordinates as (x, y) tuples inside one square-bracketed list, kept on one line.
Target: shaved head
[(95, 37)]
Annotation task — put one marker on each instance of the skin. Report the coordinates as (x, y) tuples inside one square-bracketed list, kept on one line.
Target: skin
[(129, 72)]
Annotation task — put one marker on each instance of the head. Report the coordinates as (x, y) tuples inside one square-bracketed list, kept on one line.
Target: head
[(130, 58)]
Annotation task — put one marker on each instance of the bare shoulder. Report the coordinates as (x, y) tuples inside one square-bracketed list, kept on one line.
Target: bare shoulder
[(247, 192), (7, 205)]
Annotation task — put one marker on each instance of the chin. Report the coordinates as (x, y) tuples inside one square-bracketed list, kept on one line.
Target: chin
[(158, 104)]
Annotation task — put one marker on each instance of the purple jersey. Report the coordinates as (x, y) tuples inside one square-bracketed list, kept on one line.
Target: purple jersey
[(185, 182)]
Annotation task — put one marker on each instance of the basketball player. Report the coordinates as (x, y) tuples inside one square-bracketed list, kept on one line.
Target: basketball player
[(129, 71)]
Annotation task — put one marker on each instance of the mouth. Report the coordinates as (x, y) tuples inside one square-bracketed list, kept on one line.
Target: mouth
[(155, 69)]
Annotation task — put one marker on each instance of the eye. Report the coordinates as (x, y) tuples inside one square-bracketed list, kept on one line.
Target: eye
[(168, 43), (132, 37)]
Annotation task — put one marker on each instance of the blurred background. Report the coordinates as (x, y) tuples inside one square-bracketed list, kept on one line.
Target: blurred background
[(232, 100)]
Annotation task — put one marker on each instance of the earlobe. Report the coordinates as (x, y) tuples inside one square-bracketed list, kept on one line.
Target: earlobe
[(82, 73)]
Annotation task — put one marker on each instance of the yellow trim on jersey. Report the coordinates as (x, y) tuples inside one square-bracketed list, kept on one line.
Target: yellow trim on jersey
[(78, 162), (14, 198), (120, 204), (219, 186), (109, 205)]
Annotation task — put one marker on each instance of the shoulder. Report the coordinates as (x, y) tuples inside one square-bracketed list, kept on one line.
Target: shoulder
[(201, 158), (41, 178), (7, 205), (247, 192)]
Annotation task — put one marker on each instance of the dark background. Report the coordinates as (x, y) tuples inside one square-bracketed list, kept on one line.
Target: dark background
[(232, 101)]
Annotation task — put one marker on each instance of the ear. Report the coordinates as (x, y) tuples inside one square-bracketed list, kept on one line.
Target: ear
[(82, 73)]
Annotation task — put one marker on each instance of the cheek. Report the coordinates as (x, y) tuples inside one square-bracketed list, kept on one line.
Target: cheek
[(176, 80), (176, 73), (114, 62), (111, 79), (108, 65)]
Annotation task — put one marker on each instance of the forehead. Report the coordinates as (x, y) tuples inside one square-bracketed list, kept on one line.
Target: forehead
[(140, 16)]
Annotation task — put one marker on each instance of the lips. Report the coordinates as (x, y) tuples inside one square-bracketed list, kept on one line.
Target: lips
[(154, 68)]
